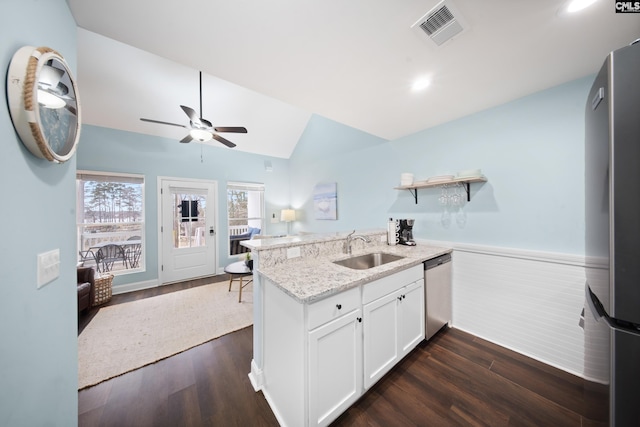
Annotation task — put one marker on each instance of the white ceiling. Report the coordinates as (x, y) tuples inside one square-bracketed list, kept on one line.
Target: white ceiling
[(352, 61)]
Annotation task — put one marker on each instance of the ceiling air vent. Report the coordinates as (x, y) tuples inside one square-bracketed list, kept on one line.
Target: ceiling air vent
[(441, 23)]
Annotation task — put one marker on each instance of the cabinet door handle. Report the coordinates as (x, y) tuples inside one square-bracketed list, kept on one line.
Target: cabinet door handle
[(339, 306), (360, 319), (400, 298)]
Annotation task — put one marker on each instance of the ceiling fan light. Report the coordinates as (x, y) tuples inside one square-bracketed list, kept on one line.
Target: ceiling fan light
[(200, 135)]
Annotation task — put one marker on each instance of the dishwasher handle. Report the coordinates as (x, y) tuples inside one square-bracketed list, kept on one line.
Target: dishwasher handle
[(434, 262)]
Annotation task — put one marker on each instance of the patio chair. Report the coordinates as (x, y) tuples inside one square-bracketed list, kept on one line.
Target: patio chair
[(107, 255), (87, 255), (133, 253)]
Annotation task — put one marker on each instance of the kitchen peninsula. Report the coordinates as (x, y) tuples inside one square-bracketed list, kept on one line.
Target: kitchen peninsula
[(324, 333)]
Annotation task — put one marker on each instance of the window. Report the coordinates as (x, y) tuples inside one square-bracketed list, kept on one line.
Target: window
[(110, 221), (189, 213), (245, 210)]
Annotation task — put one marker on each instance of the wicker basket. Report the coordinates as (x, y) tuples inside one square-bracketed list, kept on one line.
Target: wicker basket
[(102, 291)]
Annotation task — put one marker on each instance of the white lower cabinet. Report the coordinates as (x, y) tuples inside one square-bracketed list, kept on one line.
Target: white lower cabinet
[(393, 326), (380, 337), (412, 324), (319, 358), (335, 367)]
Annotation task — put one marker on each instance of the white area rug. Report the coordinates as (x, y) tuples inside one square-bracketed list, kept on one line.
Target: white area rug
[(124, 337)]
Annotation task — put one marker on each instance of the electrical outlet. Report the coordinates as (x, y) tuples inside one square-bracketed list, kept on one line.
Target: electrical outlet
[(48, 267), (293, 252)]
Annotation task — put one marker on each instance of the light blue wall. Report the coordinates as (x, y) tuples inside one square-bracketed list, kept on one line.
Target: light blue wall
[(110, 150), (531, 151), (38, 356), (355, 161)]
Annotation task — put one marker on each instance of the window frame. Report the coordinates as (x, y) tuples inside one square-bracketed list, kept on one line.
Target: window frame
[(115, 177), (246, 186)]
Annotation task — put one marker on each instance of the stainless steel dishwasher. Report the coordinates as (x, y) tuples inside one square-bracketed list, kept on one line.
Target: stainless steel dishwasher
[(437, 281)]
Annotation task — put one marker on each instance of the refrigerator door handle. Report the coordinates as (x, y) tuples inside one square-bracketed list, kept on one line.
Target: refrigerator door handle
[(595, 307)]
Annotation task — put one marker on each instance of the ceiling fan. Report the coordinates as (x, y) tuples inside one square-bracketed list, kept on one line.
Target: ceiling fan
[(200, 129)]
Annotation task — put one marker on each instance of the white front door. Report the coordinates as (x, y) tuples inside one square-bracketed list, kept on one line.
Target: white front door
[(188, 217)]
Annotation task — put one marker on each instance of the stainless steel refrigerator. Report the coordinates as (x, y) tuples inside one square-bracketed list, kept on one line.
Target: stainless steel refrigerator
[(612, 241)]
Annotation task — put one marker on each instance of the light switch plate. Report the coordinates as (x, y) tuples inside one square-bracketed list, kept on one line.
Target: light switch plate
[(48, 267)]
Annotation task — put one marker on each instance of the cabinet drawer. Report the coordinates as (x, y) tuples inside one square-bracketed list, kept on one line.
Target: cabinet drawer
[(381, 287), (333, 307)]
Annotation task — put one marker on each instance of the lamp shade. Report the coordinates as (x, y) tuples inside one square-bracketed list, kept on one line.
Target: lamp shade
[(288, 215)]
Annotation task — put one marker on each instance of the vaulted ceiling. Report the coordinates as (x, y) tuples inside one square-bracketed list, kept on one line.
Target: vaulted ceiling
[(270, 65)]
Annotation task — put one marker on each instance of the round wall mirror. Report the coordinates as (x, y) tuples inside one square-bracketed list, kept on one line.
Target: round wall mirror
[(43, 102)]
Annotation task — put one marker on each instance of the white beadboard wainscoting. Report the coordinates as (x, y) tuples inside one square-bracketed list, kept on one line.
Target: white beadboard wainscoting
[(526, 301)]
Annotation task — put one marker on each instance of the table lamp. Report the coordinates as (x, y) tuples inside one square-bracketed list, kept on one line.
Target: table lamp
[(287, 215)]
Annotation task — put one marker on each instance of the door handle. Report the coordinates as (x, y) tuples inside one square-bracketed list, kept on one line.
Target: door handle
[(211, 231)]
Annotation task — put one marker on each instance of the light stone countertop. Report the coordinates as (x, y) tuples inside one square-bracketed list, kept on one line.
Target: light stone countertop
[(309, 279)]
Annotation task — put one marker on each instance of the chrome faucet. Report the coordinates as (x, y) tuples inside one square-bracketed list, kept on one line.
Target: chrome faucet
[(350, 237)]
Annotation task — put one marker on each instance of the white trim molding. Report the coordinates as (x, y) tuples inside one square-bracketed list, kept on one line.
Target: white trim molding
[(542, 256)]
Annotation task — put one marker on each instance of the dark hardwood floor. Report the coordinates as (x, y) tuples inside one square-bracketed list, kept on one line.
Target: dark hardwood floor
[(455, 379)]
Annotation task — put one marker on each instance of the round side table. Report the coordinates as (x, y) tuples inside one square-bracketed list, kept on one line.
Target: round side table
[(238, 271)]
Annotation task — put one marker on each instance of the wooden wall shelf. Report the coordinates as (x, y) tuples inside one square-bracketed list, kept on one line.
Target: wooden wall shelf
[(465, 182)]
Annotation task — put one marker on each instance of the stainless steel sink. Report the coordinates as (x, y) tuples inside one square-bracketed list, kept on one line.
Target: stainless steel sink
[(366, 261)]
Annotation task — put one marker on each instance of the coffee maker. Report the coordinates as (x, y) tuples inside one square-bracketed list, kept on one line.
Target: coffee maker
[(405, 232)]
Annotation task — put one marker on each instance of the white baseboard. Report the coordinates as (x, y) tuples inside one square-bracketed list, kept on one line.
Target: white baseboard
[(255, 376), (274, 408)]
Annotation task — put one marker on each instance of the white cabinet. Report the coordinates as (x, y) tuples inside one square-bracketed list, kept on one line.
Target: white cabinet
[(412, 320), (380, 337), (320, 357), (393, 326), (335, 367)]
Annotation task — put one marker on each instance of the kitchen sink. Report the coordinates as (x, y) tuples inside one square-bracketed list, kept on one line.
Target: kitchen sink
[(366, 261)]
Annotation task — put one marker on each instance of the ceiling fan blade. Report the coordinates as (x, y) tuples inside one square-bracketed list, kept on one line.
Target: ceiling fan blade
[(224, 141), (186, 139), (190, 113), (163, 123), (207, 123), (231, 129)]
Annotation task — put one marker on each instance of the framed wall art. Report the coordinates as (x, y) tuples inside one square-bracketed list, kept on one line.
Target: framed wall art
[(325, 197)]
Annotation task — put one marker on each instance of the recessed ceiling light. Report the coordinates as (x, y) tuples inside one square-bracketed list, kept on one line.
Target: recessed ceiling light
[(420, 84), (576, 5)]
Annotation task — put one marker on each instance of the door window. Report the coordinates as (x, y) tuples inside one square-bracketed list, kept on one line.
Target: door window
[(189, 219)]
